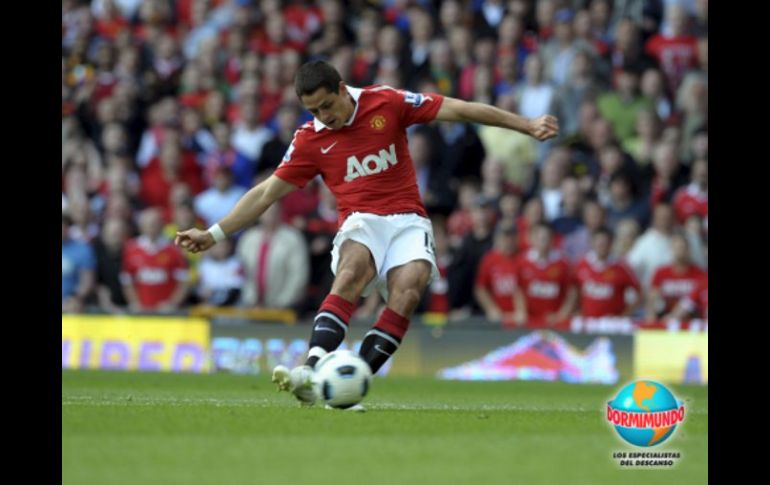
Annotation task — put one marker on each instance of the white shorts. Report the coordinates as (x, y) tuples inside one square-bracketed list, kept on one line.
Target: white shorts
[(393, 240)]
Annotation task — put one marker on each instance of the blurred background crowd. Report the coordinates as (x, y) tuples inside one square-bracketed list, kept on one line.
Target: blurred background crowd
[(173, 109)]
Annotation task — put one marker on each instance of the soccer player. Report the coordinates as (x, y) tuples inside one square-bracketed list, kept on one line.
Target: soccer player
[(696, 304), (496, 276), (357, 143), (545, 292), (672, 282), (603, 281)]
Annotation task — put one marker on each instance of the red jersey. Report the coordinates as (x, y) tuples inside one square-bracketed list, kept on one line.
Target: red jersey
[(698, 299), (674, 285), (544, 283), (497, 275), (676, 55), (691, 200), (155, 188), (459, 223), (366, 164), (155, 270), (302, 22), (603, 286)]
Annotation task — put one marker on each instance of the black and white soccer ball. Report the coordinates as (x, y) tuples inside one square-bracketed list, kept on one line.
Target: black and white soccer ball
[(342, 379)]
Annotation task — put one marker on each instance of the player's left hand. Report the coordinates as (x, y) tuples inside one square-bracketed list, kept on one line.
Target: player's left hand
[(544, 127)]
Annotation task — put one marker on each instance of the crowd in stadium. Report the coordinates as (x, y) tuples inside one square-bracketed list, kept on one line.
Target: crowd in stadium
[(173, 109)]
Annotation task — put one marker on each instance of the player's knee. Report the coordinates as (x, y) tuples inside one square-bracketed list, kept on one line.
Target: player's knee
[(353, 277)]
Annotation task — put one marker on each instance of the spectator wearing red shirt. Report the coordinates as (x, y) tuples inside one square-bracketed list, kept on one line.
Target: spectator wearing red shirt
[(666, 177), (693, 199), (532, 215), (171, 166), (677, 51), (496, 276), (672, 282), (303, 19), (545, 11), (604, 282), (154, 273), (695, 304), (274, 38), (193, 94), (460, 222), (271, 87), (110, 22), (545, 294)]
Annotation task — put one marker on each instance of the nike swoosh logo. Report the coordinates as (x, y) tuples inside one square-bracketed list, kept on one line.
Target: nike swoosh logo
[(324, 329), (379, 349), (326, 150)]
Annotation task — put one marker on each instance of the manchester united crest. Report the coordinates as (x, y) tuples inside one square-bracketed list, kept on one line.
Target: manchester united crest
[(378, 122)]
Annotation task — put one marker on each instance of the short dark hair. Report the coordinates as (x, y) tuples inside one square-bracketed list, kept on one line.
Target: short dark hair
[(314, 75)]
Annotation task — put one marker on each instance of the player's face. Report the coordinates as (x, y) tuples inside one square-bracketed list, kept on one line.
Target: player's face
[(332, 109)]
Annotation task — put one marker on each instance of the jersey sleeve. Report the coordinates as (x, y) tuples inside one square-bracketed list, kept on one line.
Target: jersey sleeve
[(297, 167), (417, 108)]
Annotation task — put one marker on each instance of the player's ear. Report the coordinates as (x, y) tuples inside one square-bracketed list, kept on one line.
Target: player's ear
[(341, 88)]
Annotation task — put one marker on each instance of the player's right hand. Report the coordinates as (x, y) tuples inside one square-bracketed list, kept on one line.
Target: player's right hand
[(194, 240)]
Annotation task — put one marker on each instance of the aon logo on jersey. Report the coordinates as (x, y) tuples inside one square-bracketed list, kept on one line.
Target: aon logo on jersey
[(371, 164)]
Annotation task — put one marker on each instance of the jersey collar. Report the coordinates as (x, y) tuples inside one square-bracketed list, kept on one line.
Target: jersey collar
[(355, 93)]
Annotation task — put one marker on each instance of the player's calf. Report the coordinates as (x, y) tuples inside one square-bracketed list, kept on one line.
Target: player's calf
[(382, 341), (329, 327)]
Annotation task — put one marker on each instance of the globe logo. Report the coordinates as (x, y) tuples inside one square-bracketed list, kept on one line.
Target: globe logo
[(645, 413)]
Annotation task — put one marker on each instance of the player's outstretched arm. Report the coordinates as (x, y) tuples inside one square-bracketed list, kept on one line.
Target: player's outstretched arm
[(246, 212), (541, 128)]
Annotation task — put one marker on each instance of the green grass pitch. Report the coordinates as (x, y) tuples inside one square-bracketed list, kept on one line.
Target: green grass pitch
[(144, 428)]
